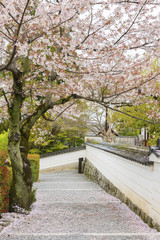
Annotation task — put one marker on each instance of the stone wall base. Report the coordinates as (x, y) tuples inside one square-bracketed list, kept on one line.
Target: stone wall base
[(92, 173)]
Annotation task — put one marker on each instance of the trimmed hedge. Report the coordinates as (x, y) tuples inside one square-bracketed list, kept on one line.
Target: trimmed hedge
[(3, 141), (6, 177), (34, 160)]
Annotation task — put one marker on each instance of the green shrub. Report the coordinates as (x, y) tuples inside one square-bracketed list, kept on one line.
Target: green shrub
[(34, 160), (34, 151), (5, 182), (6, 177), (153, 142), (3, 156), (5, 188), (4, 174), (3, 141), (91, 141)]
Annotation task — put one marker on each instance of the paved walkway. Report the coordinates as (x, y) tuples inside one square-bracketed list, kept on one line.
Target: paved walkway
[(70, 207)]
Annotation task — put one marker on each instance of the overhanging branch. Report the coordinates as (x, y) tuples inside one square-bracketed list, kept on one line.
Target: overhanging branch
[(127, 114), (133, 22), (53, 120), (136, 87), (29, 121), (107, 105)]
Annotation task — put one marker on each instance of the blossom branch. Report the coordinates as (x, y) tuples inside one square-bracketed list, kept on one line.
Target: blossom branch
[(53, 120), (136, 87), (136, 2), (58, 25), (88, 35), (131, 23), (9, 13), (107, 105), (3, 67), (6, 36)]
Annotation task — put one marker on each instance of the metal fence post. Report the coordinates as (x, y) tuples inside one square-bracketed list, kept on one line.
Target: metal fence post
[(80, 165)]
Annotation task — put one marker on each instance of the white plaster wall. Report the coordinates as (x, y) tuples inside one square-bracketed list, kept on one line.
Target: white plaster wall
[(140, 183), (96, 139), (61, 160), (126, 140), (156, 192)]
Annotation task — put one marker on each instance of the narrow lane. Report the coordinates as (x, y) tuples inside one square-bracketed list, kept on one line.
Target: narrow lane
[(70, 207)]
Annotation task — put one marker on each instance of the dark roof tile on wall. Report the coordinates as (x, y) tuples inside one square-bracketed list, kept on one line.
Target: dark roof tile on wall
[(137, 155)]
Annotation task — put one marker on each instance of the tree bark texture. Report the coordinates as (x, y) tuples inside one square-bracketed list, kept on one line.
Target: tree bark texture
[(18, 143), (21, 189)]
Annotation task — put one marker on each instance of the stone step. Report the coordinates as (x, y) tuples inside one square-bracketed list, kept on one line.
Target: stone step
[(79, 236), (74, 196), (75, 210), (66, 185)]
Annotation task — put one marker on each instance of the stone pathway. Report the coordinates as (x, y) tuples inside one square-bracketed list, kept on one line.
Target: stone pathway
[(70, 207)]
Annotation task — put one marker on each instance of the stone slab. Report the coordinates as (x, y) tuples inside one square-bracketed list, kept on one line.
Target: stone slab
[(75, 196), (66, 185), (81, 237), (70, 173), (62, 179)]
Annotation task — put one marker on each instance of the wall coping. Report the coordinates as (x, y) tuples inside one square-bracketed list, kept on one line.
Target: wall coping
[(68, 150), (137, 155), (126, 136)]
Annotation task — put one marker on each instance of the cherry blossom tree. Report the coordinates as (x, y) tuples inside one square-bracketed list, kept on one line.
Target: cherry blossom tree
[(56, 51)]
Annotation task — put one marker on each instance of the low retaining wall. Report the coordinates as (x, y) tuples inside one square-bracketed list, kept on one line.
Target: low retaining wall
[(61, 161), (136, 184), (93, 139), (126, 140)]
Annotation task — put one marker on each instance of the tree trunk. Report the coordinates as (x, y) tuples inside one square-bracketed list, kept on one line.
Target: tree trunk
[(21, 189), (106, 120), (18, 144)]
